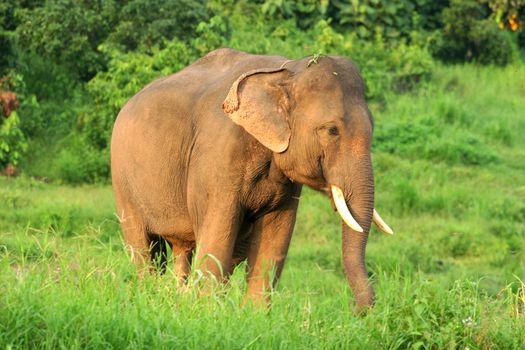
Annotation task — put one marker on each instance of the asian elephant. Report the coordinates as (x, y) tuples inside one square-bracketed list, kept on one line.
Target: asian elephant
[(215, 155)]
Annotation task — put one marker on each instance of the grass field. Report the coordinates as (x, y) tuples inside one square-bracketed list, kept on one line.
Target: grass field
[(450, 175)]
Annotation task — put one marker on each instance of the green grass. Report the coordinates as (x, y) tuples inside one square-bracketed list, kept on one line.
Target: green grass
[(449, 164)]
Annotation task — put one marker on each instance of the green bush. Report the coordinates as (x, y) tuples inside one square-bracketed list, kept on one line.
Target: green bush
[(398, 68), (81, 163), (468, 35), (8, 24), (393, 20), (6, 50), (146, 24), (49, 96), (12, 141), (69, 32), (305, 13)]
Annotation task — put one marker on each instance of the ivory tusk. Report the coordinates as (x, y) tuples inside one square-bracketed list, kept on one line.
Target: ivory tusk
[(342, 209), (381, 224)]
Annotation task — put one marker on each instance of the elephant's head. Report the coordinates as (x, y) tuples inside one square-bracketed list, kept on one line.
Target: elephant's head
[(314, 117)]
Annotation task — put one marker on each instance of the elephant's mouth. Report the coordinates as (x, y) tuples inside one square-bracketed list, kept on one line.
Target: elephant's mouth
[(342, 208)]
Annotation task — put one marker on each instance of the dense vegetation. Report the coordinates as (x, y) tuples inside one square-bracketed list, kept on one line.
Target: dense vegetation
[(445, 85)]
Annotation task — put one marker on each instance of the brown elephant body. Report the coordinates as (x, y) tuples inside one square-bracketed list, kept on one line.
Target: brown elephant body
[(226, 178)]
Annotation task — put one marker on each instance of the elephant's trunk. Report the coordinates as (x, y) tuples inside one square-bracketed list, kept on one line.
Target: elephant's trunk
[(354, 245), (358, 191)]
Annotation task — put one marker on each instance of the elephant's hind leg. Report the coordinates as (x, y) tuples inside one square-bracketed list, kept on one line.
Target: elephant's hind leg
[(137, 241), (135, 234), (182, 256), (182, 264)]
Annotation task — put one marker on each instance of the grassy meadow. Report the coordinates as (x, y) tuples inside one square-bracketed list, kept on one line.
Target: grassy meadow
[(450, 179)]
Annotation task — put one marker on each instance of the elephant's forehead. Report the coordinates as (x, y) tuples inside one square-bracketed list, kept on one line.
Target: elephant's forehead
[(330, 97), (328, 86), (319, 106), (319, 78), (333, 71)]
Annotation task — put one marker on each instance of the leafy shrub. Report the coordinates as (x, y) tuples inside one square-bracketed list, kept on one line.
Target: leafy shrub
[(68, 32), (393, 20), (81, 163), (49, 97), (390, 19), (145, 24), (411, 64), (211, 35), (305, 13), (6, 50), (12, 141), (468, 35), (8, 24), (43, 78)]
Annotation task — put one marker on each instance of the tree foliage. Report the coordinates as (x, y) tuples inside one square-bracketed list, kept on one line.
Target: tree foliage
[(144, 24), (69, 32), (470, 35)]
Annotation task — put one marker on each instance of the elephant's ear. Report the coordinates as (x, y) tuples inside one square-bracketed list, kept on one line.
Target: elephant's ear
[(258, 103)]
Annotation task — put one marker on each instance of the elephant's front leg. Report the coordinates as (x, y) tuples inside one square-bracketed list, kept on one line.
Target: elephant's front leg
[(215, 238), (268, 250)]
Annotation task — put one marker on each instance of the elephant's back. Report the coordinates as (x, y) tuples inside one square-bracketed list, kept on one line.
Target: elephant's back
[(200, 87)]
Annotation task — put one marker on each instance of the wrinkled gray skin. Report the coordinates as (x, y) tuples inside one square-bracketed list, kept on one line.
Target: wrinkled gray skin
[(191, 172)]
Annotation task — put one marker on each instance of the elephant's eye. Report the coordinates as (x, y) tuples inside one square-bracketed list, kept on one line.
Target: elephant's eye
[(334, 131)]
